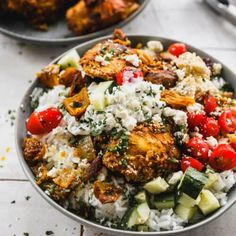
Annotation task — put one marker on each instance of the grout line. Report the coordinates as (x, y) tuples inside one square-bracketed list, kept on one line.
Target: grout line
[(14, 180)]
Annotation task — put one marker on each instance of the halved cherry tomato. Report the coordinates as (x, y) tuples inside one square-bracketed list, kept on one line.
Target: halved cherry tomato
[(195, 119), (210, 127), (223, 158), (128, 75), (210, 103), (197, 147), (177, 49), (227, 121), (44, 121), (189, 161)]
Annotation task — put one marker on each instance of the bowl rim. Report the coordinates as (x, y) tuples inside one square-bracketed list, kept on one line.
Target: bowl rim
[(86, 222), (74, 39)]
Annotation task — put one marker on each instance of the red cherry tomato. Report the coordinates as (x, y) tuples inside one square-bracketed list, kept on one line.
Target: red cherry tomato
[(227, 121), (177, 49), (210, 127), (128, 75), (189, 161), (44, 121), (210, 104), (195, 119), (223, 158), (197, 147), (34, 125)]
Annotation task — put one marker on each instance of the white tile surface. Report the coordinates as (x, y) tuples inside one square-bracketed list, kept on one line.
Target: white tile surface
[(185, 20)]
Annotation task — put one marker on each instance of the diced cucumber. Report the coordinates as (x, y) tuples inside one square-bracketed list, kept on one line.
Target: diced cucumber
[(142, 228), (188, 201), (71, 59), (143, 211), (164, 201), (208, 203), (156, 186), (97, 96), (185, 213), (175, 178), (192, 182), (130, 219), (141, 197), (212, 178)]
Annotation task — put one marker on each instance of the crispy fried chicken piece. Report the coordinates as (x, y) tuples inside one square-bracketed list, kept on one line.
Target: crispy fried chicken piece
[(39, 13), (150, 153), (49, 75), (33, 150), (94, 66), (89, 15)]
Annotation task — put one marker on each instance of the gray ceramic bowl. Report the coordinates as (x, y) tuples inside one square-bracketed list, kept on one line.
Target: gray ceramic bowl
[(21, 133), (58, 33)]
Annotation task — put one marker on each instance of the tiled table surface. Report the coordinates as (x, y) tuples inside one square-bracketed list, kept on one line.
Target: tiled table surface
[(187, 20)]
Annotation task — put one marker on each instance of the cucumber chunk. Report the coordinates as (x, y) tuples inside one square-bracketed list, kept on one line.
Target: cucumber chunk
[(156, 186), (212, 178), (130, 219), (141, 197), (143, 211), (97, 96), (71, 59), (208, 203), (185, 213), (192, 182), (188, 201), (164, 201)]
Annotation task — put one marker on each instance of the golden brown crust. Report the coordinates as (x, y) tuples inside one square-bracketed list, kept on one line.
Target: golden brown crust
[(77, 104), (33, 150), (148, 155), (106, 192), (175, 100), (49, 75), (90, 16)]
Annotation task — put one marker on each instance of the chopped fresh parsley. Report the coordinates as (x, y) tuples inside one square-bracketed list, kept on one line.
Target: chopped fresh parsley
[(77, 104)]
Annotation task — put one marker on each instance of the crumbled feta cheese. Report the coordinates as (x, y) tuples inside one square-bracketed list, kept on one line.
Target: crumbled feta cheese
[(133, 59), (219, 82), (216, 68), (126, 106), (102, 60), (212, 142), (155, 46), (52, 173), (179, 117), (195, 108), (180, 73)]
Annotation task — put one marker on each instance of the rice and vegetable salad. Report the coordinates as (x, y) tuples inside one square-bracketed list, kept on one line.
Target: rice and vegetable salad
[(137, 138)]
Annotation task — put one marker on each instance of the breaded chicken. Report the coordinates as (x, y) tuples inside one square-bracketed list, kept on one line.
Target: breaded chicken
[(39, 13), (151, 152), (104, 60), (90, 15)]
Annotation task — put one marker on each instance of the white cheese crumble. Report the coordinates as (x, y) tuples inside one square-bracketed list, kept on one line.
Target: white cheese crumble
[(126, 106), (216, 68), (133, 59), (212, 142), (155, 46), (195, 108), (179, 117)]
